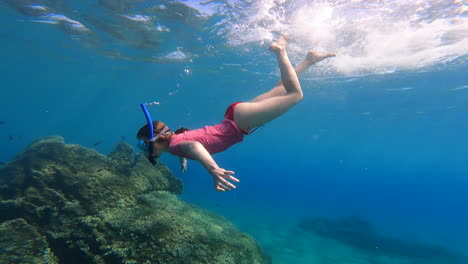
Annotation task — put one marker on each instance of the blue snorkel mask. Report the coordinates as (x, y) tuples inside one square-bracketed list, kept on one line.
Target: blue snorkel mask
[(145, 145)]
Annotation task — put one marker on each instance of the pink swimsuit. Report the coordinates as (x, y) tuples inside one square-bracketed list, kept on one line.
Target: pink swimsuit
[(214, 138)]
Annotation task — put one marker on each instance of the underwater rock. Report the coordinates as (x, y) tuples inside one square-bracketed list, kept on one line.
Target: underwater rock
[(22, 243), (70, 204), (360, 234), (122, 155)]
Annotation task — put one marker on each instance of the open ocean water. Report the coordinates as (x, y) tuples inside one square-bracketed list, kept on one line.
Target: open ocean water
[(371, 167)]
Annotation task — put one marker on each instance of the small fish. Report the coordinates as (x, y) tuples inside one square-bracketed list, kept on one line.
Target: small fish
[(2, 163), (460, 88), (400, 89), (2, 122), (10, 137), (123, 138), (97, 143)]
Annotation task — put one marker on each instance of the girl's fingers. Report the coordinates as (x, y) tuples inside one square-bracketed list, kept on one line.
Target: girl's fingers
[(222, 184), (223, 187), (228, 175), (233, 178), (228, 184)]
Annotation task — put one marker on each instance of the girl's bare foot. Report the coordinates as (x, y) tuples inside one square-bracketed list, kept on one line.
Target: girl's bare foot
[(280, 44), (314, 57)]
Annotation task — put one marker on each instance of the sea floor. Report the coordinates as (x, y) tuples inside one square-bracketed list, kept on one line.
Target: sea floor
[(281, 239), (285, 246)]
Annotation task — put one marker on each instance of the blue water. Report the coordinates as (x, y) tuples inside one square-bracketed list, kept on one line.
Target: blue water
[(380, 134)]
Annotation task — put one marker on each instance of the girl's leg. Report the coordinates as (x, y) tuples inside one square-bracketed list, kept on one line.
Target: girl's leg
[(311, 58), (282, 97), (252, 114)]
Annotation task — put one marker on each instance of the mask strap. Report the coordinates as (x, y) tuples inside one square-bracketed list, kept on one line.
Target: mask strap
[(163, 132)]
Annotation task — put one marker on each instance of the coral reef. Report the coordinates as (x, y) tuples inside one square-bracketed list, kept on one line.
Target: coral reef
[(63, 203)]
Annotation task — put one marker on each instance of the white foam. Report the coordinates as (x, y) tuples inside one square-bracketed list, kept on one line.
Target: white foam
[(38, 7), (372, 36), (138, 18), (176, 56), (69, 25)]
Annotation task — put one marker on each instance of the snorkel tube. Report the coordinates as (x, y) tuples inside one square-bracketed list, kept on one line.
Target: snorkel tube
[(148, 119), (151, 134)]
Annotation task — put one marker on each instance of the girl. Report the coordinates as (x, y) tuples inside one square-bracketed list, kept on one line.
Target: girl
[(240, 118)]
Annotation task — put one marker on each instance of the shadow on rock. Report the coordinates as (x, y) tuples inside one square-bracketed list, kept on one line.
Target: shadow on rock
[(359, 234), (62, 203)]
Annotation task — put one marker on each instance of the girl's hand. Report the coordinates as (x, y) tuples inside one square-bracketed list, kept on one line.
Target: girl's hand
[(221, 179), (220, 176)]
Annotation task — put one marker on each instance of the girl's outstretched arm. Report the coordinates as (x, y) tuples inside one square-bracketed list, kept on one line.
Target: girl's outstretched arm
[(220, 176)]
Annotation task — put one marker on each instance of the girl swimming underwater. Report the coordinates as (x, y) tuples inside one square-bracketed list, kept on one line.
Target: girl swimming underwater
[(240, 118)]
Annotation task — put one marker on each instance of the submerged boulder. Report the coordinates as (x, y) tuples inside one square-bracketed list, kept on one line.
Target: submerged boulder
[(65, 203), (360, 234)]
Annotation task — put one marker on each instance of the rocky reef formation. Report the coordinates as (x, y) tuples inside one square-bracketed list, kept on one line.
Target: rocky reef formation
[(63, 203)]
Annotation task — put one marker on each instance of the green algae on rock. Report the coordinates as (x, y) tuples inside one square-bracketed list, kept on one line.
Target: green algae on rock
[(70, 204)]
